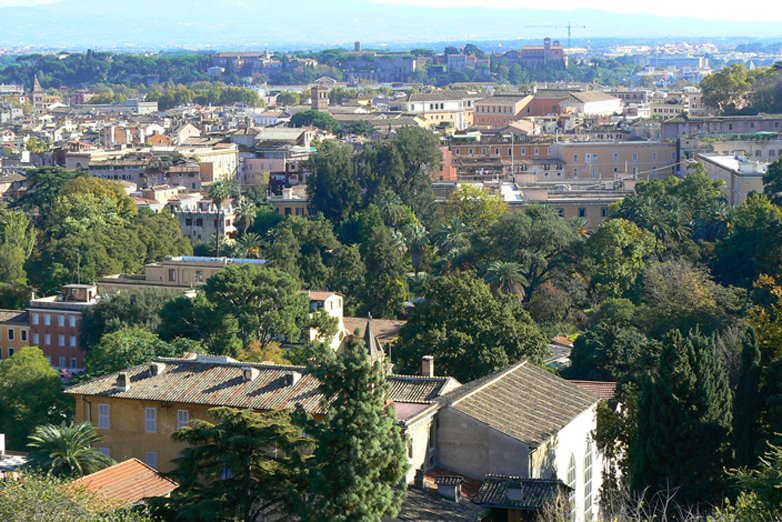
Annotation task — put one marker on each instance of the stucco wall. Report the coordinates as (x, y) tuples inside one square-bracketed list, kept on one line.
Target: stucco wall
[(473, 449)]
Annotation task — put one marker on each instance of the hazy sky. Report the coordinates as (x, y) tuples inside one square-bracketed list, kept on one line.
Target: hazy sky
[(750, 10)]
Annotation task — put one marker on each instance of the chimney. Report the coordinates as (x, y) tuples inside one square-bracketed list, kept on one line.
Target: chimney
[(418, 480), (514, 491), (450, 487), (123, 381), (156, 368), (427, 366), (250, 374), (2, 444), (292, 377)]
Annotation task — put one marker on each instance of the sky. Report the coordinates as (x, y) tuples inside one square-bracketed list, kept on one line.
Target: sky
[(751, 10)]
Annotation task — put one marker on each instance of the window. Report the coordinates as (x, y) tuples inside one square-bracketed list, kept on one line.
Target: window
[(635, 156), (61, 340), (616, 156), (188, 222), (199, 222), (105, 451), (24, 334), (588, 482), (35, 318), (151, 459), (36, 339), (571, 482), (11, 334), (582, 212), (47, 339), (172, 274), (561, 212), (11, 352), (73, 341), (61, 321), (103, 416), (654, 156), (575, 158), (47, 319), (182, 418), (74, 363), (604, 212), (150, 416), (72, 321), (62, 361)]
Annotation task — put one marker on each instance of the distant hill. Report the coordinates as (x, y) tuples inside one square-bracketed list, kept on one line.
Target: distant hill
[(152, 24)]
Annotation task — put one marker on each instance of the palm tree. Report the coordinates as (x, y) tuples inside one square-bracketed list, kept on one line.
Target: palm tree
[(245, 214), (452, 237), (218, 192), (248, 245), (415, 234), (66, 450), (506, 277)]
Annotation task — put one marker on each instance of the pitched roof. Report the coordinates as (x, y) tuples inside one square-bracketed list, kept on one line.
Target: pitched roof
[(525, 402), (219, 381), (604, 390), (127, 483), (592, 96), (427, 506), (384, 329), (13, 317), (533, 494)]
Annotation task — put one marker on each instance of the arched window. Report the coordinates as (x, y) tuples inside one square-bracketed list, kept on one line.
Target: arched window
[(571, 482), (588, 482)]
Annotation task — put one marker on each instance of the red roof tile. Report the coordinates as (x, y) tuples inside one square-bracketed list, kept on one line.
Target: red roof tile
[(127, 483), (604, 390)]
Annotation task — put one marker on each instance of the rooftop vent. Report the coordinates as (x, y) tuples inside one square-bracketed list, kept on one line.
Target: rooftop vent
[(250, 374), (292, 377), (450, 487), (156, 368), (123, 381)]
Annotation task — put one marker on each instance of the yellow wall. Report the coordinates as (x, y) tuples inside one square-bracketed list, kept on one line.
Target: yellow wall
[(127, 436), (17, 343)]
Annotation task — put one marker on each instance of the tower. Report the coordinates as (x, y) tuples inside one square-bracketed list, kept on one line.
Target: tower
[(320, 97)]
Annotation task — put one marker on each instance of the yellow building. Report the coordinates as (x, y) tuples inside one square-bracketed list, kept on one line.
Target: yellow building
[(136, 411), (615, 160), (14, 332)]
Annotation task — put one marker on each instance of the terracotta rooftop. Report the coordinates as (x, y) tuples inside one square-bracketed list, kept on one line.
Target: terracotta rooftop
[(384, 329), (127, 483), (604, 390), (533, 494), (523, 401), (220, 381)]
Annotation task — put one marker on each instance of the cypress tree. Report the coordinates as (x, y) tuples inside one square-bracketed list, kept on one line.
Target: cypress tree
[(748, 403), (684, 421), (359, 464)]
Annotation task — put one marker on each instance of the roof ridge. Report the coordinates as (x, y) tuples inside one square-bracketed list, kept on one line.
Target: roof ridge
[(479, 384)]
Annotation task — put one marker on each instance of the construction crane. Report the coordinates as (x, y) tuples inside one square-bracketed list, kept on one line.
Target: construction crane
[(569, 28)]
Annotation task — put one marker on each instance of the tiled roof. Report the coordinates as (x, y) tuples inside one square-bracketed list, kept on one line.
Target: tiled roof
[(604, 390), (13, 317), (533, 495), (384, 329), (219, 381), (592, 96), (525, 402), (427, 506), (127, 483), (315, 295), (439, 96)]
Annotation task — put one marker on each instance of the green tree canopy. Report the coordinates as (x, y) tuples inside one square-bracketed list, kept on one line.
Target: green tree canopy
[(470, 331), (247, 466), (359, 464), (332, 186), (66, 450), (30, 395)]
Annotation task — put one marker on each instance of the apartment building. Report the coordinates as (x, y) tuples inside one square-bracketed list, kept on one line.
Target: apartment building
[(613, 160), (442, 108), (201, 220), (740, 176), (692, 126), (14, 332), (500, 110), (55, 323), (551, 52), (176, 273)]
